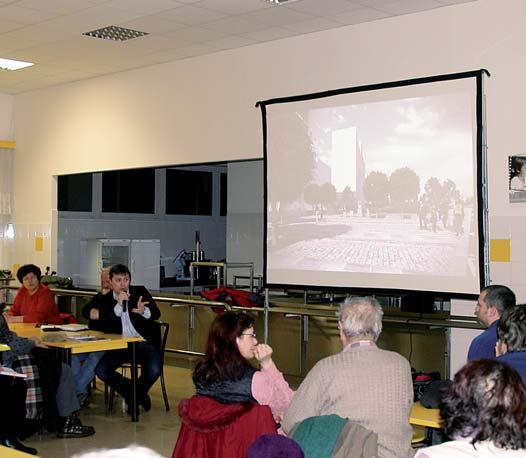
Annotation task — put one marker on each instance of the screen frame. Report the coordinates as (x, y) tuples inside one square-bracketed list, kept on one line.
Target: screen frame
[(481, 179)]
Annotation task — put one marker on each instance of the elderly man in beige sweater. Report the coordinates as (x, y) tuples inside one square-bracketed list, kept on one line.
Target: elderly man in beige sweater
[(369, 386)]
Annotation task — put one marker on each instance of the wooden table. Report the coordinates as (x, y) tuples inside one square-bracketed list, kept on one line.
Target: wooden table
[(67, 348)]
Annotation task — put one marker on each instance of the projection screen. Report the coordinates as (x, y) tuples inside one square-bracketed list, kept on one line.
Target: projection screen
[(377, 187)]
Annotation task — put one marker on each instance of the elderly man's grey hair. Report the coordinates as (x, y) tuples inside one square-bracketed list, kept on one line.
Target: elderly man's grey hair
[(361, 317)]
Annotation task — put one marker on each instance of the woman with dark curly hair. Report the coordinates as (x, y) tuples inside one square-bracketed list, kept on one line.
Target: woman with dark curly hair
[(225, 374), (484, 412)]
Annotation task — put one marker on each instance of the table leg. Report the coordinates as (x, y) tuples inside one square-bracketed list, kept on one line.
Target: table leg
[(135, 406), (64, 355)]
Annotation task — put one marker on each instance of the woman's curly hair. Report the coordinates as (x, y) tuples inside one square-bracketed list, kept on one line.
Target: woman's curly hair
[(486, 401)]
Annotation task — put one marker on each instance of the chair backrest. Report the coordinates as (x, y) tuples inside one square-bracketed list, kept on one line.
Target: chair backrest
[(164, 328)]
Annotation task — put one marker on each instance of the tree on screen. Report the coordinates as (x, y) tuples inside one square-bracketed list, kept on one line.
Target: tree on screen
[(376, 189), (404, 187), (311, 195), (292, 154)]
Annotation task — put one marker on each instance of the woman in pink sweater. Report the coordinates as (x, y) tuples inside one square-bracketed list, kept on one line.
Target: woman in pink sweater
[(225, 374)]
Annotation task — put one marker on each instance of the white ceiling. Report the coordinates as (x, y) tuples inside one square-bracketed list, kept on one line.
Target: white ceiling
[(49, 32)]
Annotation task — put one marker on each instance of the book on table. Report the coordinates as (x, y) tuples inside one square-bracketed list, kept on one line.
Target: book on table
[(73, 327), (72, 337)]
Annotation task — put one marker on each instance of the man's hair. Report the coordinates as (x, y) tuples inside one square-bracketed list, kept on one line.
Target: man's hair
[(512, 328), (486, 401), (500, 297), (119, 269), (361, 317), (28, 269)]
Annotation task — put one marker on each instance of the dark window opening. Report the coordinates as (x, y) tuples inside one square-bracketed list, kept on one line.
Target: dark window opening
[(75, 192), (128, 191), (188, 192), (223, 195)]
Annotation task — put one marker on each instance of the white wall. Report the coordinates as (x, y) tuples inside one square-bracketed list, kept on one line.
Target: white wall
[(202, 109), (245, 220), (7, 122)]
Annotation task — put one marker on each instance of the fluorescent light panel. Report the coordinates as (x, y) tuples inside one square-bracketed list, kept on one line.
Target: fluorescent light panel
[(10, 64)]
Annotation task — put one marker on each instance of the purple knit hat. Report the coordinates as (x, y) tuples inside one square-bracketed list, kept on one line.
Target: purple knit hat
[(274, 446)]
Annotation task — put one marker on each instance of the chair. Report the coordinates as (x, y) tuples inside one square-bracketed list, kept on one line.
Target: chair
[(164, 328)]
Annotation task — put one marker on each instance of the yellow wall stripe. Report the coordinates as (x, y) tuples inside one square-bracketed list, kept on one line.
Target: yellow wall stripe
[(7, 144)]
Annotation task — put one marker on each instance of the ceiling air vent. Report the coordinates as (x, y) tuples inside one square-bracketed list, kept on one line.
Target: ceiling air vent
[(112, 32), (281, 2)]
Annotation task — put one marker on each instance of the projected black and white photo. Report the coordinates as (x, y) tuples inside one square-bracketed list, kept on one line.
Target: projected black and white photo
[(517, 178), (364, 194)]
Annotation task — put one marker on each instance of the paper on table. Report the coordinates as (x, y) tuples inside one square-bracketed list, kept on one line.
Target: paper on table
[(11, 372)]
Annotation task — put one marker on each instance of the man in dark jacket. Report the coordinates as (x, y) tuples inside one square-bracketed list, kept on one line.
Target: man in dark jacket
[(130, 311)]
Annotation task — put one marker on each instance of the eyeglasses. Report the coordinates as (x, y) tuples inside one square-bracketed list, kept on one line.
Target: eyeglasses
[(251, 334)]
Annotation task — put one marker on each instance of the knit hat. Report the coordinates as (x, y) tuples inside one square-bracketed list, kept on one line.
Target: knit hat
[(274, 446)]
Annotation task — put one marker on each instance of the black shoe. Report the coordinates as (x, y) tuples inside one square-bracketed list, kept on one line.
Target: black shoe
[(73, 427), (14, 443), (146, 403), (83, 399)]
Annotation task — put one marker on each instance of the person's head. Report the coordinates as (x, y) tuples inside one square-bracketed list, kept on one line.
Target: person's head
[(231, 343), (29, 275), (360, 318), (492, 302), (486, 401), (519, 166), (512, 329), (105, 282), (119, 278)]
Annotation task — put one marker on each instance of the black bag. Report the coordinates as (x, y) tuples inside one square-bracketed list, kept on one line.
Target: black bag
[(433, 393), (421, 380)]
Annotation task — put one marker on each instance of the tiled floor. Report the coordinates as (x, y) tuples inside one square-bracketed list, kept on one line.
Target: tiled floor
[(156, 429)]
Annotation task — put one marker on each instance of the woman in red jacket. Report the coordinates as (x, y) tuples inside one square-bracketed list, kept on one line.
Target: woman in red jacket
[(34, 302)]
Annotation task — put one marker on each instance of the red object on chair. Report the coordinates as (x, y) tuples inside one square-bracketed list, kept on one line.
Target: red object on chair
[(68, 318), (210, 429)]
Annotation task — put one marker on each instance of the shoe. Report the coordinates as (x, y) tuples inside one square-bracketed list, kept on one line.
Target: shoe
[(83, 399), (14, 443), (146, 403), (73, 427)]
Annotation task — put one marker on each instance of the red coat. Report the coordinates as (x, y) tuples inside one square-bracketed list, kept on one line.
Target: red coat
[(210, 429), (37, 308)]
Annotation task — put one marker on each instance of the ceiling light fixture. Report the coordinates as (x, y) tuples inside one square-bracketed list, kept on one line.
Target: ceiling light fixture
[(10, 64), (112, 32)]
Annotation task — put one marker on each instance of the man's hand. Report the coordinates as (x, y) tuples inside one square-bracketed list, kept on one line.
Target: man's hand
[(13, 319), (123, 296), (94, 314), (140, 306), (263, 353)]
